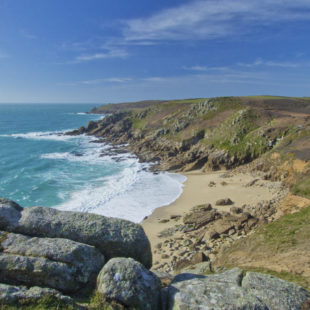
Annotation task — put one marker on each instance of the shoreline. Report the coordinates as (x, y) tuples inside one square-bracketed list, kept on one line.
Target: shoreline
[(197, 191)]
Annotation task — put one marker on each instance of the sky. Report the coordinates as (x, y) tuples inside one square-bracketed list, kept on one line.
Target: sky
[(101, 51)]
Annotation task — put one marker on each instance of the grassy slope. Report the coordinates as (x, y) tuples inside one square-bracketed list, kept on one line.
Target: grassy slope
[(271, 249)]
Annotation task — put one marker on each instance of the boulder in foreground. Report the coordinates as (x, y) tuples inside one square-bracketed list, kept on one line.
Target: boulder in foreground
[(111, 236), (231, 290), (53, 262), (130, 283)]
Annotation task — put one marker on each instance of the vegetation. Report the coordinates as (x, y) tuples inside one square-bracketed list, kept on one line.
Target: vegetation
[(302, 188), (46, 302), (289, 234)]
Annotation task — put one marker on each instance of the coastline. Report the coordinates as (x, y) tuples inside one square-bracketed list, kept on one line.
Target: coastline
[(196, 191)]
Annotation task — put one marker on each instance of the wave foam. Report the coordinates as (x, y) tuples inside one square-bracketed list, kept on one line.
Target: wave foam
[(41, 135), (131, 195)]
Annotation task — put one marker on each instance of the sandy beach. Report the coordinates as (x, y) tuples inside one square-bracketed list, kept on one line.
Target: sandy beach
[(197, 190)]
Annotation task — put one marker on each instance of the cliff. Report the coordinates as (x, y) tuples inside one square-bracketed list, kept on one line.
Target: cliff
[(207, 133)]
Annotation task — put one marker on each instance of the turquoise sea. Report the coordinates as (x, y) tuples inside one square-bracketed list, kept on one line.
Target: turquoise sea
[(39, 166)]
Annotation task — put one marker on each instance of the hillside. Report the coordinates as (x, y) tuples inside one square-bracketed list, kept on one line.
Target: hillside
[(208, 134)]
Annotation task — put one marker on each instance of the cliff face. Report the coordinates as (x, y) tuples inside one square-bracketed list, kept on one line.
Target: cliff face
[(217, 133)]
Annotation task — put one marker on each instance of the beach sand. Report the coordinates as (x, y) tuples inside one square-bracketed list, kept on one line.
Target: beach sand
[(197, 191)]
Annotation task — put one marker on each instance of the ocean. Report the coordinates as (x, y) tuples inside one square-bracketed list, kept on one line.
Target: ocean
[(39, 166)]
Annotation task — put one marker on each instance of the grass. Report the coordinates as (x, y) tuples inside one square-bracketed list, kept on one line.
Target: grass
[(295, 278), (289, 234), (288, 231), (138, 123), (302, 188), (46, 302)]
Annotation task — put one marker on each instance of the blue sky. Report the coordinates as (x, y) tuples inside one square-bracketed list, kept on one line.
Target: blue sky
[(100, 51)]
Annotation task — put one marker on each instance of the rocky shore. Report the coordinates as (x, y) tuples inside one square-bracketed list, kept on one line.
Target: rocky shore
[(50, 258)]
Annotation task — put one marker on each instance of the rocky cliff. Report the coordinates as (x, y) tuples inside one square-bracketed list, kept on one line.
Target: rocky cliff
[(207, 133)]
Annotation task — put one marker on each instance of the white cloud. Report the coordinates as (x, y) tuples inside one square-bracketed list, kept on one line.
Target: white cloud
[(110, 53), (271, 63), (207, 19), (205, 68), (114, 80)]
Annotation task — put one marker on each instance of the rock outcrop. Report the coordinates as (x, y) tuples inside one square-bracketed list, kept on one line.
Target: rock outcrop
[(231, 290), (130, 283), (111, 236), (58, 263)]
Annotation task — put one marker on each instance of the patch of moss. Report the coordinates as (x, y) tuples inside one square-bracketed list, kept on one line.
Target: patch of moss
[(99, 302), (46, 303)]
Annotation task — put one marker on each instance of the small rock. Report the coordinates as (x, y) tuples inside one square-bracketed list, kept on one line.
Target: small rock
[(163, 221), (224, 202), (212, 184), (158, 245), (235, 210)]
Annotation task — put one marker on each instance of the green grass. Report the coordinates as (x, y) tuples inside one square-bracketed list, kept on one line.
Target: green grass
[(302, 188), (288, 231), (289, 234), (138, 123), (295, 278), (45, 303)]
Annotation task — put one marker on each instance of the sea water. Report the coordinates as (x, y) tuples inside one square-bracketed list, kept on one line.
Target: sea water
[(39, 166)]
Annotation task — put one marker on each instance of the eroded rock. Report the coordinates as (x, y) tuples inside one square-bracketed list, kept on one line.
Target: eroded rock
[(111, 236), (53, 262)]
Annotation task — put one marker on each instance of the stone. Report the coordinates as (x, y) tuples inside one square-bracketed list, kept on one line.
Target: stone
[(53, 262), (212, 184), (130, 283), (163, 221), (200, 268), (10, 214), (219, 291), (236, 210), (111, 236), (232, 290), (21, 295), (158, 245), (274, 292), (224, 202), (211, 235), (200, 216), (199, 258)]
